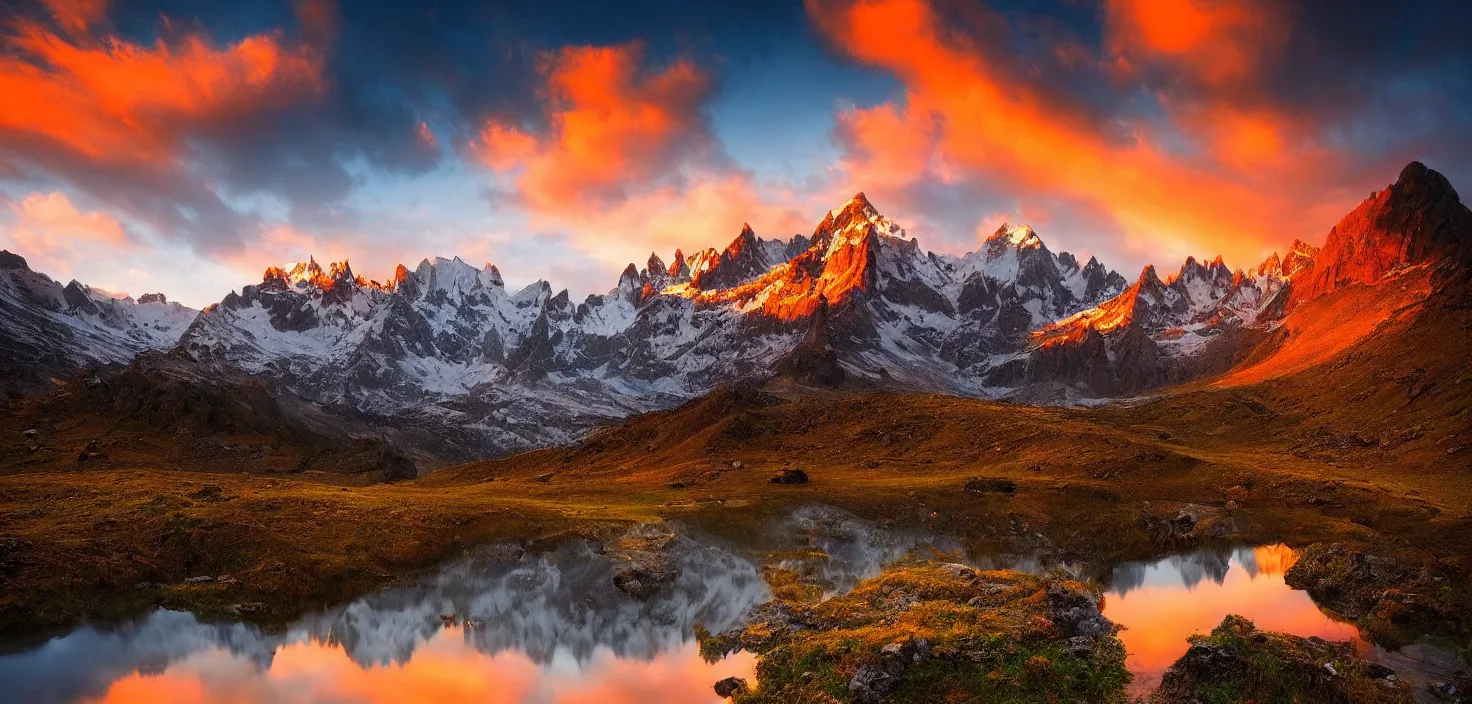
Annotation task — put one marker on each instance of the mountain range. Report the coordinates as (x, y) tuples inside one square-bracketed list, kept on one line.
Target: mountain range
[(448, 364)]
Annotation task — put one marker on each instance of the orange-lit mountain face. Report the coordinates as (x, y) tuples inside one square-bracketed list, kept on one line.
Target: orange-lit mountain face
[(854, 303), (1206, 319), (1418, 219)]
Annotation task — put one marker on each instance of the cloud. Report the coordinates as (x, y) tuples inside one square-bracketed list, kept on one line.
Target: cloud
[(76, 16), (1168, 167), (623, 159), (611, 128), (53, 233), (111, 100), (1216, 40)]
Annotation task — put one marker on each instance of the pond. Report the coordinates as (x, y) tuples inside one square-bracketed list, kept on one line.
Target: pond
[(506, 626)]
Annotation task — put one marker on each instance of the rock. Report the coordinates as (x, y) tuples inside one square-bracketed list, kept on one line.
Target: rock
[(959, 570), (211, 493), (1187, 518), (1237, 662), (1378, 671), (738, 464), (93, 451), (1231, 505), (1075, 610), (646, 548), (730, 686), (872, 684), (1351, 582), (642, 583), (202, 579), (31, 433), (226, 579), (990, 485), (1451, 691), (676, 485), (246, 608), (790, 476), (1080, 646), (545, 477)]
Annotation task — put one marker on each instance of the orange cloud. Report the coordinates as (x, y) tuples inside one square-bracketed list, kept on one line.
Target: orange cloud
[(53, 233), (625, 161), (76, 16), (1241, 196), (1219, 40), (611, 125), (109, 99)]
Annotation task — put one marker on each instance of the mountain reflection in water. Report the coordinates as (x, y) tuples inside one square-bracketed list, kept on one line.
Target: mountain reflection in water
[(1162, 603), (512, 628), (500, 626)]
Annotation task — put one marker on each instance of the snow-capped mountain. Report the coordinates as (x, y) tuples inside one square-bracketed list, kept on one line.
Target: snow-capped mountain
[(51, 330), (446, 345), (449, 364), (1158, 332)]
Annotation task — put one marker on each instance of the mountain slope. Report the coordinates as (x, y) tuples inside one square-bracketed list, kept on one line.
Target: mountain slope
[(1385, 256), (52, 331), (448, 362), (445, 362)]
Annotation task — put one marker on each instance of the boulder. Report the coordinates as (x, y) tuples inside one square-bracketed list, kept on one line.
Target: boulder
[(790, 476), (730, 686)]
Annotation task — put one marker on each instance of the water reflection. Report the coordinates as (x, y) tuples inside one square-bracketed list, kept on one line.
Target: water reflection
[(847, 550), (507, 627), (499, 626), (1162, 603)]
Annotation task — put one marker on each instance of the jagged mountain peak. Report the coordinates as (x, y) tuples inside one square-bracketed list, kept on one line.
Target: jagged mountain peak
[(1148, 274), (12, 261), (1273, 265), (1419, 219), (857, 207), (1016, 236)]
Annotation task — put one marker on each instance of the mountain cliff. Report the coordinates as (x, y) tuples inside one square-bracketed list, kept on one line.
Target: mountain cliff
[(446, 362), (54, 330)]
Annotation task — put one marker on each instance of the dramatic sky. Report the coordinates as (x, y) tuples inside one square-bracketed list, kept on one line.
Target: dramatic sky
[(184, 146)]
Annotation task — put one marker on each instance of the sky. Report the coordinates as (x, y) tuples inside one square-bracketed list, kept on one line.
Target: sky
[(183, 146)]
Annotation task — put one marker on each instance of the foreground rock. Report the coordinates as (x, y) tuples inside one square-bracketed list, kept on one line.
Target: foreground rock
[(935, 632), (650, 567), (1393, 600), (1238, 663), (790, 476)]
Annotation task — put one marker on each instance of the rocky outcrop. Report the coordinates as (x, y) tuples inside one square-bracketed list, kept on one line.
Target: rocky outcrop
[(1385, 595), (53, 331), (1237, 662), (1418, 219), (932, 631)]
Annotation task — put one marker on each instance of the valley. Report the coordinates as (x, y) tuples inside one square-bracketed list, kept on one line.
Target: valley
[(319, 439)]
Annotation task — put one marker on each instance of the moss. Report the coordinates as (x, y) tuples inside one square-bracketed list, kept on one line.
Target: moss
[(930, 632), (1238, 663)]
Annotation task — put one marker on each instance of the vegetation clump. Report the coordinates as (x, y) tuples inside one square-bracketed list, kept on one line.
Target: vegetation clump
[(1390, 598), (934, 632), (1238, 663)]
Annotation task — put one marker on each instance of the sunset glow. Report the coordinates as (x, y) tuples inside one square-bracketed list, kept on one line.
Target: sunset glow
[(443, 669), (1139, 132)]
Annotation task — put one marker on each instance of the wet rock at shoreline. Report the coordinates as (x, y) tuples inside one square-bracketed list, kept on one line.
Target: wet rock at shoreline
[(1390, 598), (650, 567), (1238, 662), (730, 687)]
